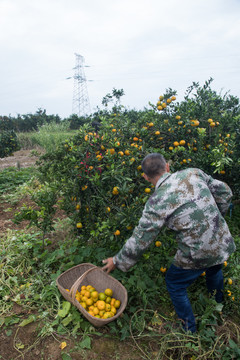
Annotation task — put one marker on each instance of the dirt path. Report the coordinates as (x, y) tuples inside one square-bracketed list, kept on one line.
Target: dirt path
[(21, 158)]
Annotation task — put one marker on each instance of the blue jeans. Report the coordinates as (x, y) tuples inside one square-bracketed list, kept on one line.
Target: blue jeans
[(178, 280)]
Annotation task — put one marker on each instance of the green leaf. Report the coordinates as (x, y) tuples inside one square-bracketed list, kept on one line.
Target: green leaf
[(66, 357), (86, 343), (65, 309), (219, 307), (27, 321), (67, 320), (1, 321)]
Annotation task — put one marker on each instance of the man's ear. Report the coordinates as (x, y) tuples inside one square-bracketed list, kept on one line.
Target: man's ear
[(146, 177), (167, 167)]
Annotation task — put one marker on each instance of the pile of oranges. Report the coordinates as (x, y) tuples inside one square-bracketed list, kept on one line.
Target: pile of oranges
[(101, 305)]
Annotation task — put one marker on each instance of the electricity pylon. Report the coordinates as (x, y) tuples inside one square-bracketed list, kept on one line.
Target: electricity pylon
[(81, 104)]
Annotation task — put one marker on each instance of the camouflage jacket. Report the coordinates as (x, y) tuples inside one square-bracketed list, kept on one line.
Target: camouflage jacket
[(193, 204)]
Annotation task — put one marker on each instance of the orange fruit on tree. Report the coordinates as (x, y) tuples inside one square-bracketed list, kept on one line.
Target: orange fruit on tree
[(194, 122), (182, 142), (115, 190), (178, 117), (176, 143), (117, 232), (161, 97), (147, 190), (127, 152), (158, 243), (79, 225)]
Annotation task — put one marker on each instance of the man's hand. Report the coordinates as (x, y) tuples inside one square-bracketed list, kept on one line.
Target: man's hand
[(109, 265)]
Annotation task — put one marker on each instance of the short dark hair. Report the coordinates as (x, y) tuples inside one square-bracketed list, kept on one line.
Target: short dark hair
[(96, 125), (153, 164)]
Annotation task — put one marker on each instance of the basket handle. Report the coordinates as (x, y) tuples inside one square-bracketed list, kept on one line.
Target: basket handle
[(75, 286)]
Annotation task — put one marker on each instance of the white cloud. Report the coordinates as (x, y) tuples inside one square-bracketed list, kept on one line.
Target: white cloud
[(142, 46)]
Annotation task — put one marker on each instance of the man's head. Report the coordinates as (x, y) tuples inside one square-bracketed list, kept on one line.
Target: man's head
[(96, 125), (154, 165)]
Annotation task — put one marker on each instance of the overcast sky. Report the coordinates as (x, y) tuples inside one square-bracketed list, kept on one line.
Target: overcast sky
[(141, 46)]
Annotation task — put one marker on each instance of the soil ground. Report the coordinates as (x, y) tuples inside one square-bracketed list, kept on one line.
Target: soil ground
[(23, 342), (21, 158)]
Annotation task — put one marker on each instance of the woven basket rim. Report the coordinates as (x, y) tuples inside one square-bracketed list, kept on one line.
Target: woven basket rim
[(71, 269)]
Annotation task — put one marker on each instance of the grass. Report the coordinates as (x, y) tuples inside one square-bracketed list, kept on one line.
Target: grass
[(48, 136), (11, 178)]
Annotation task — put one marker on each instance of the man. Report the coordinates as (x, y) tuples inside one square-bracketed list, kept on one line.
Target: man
[(193, 204)]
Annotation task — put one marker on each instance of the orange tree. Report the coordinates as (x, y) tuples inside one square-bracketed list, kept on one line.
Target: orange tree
[(99, 178), (99, 175)]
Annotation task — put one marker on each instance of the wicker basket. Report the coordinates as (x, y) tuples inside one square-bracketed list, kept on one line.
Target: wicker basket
[(67, 279), (85, 274)]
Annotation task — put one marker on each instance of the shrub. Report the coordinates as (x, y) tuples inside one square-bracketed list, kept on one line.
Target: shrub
[(8, 143)]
